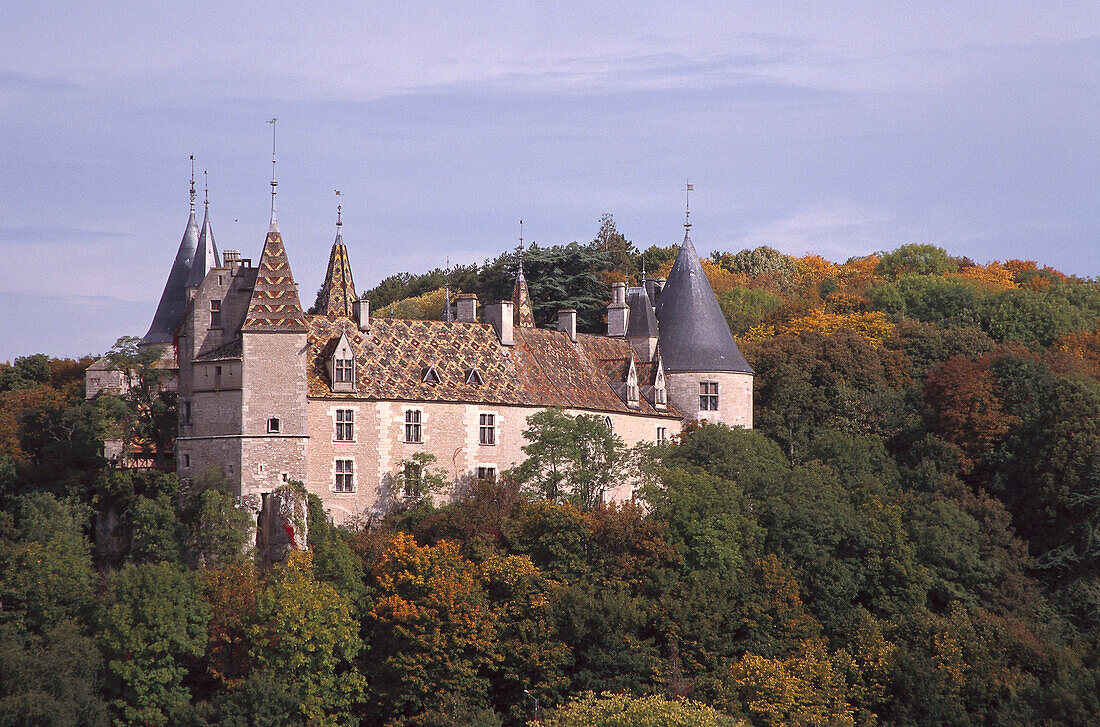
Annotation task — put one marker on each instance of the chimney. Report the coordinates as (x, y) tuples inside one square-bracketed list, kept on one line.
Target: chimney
[(231, 259), (360, 310), (658, 287), (567, 321), (618, 311), (499, 316), (466, 303)]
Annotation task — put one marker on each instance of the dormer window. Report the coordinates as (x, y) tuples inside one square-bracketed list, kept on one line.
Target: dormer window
[(660, 392), (632, 386), (474, 378), (342, 366), (429, 375)]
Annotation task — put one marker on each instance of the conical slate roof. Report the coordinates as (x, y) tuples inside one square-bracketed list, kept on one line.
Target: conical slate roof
[(173, 300), (694, 333), (274, 306), (339, 289), (522, 314), (206, 253), (641, 322)]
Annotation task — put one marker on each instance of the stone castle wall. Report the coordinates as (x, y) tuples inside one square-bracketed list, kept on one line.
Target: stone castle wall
[(734, 396)]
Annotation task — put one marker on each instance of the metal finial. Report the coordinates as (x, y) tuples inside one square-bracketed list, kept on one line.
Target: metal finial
[(688, 189), (205, 188), (274, 184), (519, 275), (192, 182), (339, 208), (447, 314)]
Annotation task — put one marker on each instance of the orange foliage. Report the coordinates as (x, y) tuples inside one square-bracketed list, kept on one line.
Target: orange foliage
[(969, 411), (858, 275), (231, 592), (721, 280), (845, 303), (994, 276), (812, 269), (1084, 347)]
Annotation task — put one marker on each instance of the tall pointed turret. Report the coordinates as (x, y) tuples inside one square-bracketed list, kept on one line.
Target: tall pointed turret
[(521, 299), (173, 300), (338, 294), (274, 305), (206, 253)]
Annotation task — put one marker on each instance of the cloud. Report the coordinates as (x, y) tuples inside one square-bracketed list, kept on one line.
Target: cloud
[(836, 230)]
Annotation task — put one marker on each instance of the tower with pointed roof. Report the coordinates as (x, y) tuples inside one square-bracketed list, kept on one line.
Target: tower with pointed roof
[(173, 299), (708, 378), (523, 314)]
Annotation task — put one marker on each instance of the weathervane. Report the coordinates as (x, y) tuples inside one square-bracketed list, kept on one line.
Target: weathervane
[(205, 188), (192, 182), (339, 208), (688, 189), (274, 184), (520, 273)]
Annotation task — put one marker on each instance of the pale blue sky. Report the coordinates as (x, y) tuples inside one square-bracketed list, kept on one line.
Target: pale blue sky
[(834, 128)]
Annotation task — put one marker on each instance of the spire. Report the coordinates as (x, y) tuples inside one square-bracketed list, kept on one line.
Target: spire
[(173, 299), (521, 299), (192, 184), (274, 226), (448, 314), (338, 291), (694, 335), (688, 188), (206, 252)]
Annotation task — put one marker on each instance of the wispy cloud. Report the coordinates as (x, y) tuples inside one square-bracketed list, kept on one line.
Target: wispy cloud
[(837, 230)]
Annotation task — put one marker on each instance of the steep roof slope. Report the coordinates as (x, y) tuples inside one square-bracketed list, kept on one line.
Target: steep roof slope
[(173, 300)]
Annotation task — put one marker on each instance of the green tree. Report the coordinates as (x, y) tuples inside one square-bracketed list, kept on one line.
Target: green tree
[(622, 710), (916, 259), (304, 632), (153, 630)]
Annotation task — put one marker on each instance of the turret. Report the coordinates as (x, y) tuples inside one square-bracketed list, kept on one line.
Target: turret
[(173, 300), (206, 252), (338, 292)]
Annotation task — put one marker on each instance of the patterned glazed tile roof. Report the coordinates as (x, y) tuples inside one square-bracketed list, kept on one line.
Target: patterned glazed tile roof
[(338, 293), (523, 315), (543, 368), (274, 305)]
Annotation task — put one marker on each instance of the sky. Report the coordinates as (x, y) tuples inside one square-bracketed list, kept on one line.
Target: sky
[(833, 128)]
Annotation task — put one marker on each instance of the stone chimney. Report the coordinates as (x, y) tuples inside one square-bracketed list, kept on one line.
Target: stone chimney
[(360, 310), (499, 316), (618, 311), (658, 287), (466, 303), (231, 259), (567, 321)]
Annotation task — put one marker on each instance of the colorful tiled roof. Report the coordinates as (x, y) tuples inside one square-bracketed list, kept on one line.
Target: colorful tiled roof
[(338, 293), (274, 306), (543, 368), (523, 315)]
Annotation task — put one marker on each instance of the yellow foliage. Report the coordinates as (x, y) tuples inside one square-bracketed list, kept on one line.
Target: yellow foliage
[(720, 279), (812, 269), (873, 326), (805, 688), (428, 306), (994, 276)]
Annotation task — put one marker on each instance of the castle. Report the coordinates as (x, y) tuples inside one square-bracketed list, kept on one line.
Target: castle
[(342, 400)]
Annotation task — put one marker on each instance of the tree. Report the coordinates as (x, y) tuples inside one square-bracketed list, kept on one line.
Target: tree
[(431, 630), (153, 628), (152, 407), (622, 710), (304, 632), (619, 250), (916, 259), (575, 458)]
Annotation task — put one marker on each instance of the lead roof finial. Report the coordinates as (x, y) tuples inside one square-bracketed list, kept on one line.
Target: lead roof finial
[(519, 274), (339, 209), (274, 184), (688, 188), (205, 188), (192, 183)]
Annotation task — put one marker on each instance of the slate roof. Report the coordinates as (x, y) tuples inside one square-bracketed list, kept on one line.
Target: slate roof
[(274, 306), (339, 288), (227, 351), (206, 253), (641, 321), (543, 368), (694, 333), (173, 300)]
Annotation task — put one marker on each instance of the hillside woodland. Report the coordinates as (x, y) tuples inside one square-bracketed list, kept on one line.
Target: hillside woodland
[(910, 536)]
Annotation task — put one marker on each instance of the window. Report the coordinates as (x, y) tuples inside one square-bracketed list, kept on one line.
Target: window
[(708, 396), (414, 479), (274, 426), (632, 391), (473, 378), (488, 474), (215, 314), (662, 435), (429, 375), (660, 396), (185, 412), (342, 371), (487, 429), (413, 434), (345, 425), (345, 475), (186, 461), (607, 423), (217, 372)]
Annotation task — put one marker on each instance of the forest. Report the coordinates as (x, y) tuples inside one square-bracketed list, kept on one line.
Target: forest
[(909, 536)]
